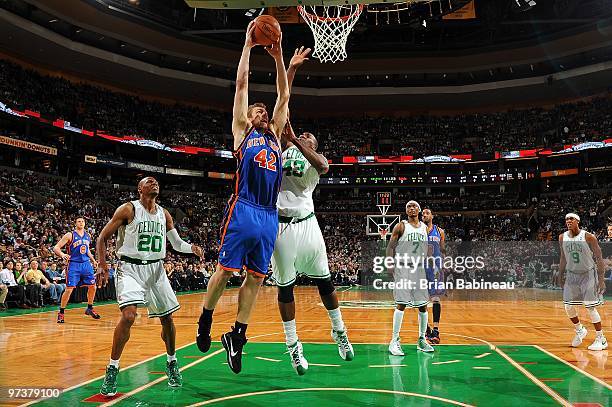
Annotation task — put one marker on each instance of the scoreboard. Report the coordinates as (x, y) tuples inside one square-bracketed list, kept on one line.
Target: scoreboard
[(431, 179)]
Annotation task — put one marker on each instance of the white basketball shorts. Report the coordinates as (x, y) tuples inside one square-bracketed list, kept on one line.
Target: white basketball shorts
[(145, 285), (299, 249)]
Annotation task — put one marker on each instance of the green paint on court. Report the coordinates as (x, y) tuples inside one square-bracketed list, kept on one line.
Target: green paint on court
[(489, 380)]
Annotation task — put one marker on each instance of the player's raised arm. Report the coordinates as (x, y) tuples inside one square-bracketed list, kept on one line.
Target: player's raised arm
[(175, 240), (281, 109), (299, 57), (57, 249), (597, 255), (122, 216), (240, 120), (315, 159)]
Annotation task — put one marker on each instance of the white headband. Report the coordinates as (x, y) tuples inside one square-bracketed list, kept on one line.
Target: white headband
[(572, 215), (414, 202)]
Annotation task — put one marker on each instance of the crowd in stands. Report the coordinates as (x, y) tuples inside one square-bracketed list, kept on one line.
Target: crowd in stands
[(36, 210), (122, 114)]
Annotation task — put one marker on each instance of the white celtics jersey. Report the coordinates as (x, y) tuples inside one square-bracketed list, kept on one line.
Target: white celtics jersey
[(299, 181), (413, 241), (578, 254), (145, 237)]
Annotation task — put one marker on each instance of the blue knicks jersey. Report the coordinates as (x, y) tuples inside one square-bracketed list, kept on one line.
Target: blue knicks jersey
[(434, 237), (79, 247), (259, 172)]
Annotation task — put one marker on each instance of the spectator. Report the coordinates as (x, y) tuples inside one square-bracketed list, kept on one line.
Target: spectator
[(16, 292), (36, 278)]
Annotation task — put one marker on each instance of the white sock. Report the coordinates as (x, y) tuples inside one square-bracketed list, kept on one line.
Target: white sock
[(171, 358), (114, 363), (599, 334), (336, 319), (578, 326), (290, 332), (398, 317), (422, 323)]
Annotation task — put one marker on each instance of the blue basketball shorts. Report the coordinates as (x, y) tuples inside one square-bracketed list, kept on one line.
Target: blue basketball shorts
[(248, 235), (80, 274)]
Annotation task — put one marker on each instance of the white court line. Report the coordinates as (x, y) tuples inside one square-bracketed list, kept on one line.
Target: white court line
[(322, 364), (102, 376), (267, 359), (482, 355), (383, 366), (328, 389), (481, 368), (158, 380), (587, 374), (535, 380), (446, 362), (524, 371)]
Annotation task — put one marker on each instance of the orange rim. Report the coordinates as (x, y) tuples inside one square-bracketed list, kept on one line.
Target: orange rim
[(314, 17)]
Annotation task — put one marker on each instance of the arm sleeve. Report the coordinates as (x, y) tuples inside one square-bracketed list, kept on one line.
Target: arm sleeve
[(177, 243)]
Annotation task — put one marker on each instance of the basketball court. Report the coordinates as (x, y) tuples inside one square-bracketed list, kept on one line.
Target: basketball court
[(490, 354)]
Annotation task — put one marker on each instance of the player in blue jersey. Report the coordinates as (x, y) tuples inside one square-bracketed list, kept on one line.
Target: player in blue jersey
[(434, 272), (250, 221), (79, 270)]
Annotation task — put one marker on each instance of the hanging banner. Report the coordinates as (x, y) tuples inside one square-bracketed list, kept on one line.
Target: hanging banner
[(26, 145), (285, 15), (464, 13)]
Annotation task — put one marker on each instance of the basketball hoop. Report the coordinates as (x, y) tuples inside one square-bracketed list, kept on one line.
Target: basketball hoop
[(331, 26), (383, 234)]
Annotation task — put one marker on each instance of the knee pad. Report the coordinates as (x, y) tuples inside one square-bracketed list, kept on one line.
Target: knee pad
[(285, 294), (595, 318), (325, 286), (570, 310)]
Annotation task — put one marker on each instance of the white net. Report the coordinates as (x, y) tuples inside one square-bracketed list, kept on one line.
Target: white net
[(331, 26)]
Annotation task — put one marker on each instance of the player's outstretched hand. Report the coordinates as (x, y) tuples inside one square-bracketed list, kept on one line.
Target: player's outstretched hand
[(276, 50), (299, 56), (197, 250), (288, 135), (248, 41)]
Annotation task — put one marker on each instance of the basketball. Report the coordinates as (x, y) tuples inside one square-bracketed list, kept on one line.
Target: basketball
[(267, 30)]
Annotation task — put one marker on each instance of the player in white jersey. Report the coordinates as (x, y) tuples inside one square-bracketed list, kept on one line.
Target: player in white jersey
[(143, 227), (582, 279), (300, 247), (409, 242)]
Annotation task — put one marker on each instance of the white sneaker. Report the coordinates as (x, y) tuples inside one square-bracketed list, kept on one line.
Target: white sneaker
[(395, 347), (600, 343), (423, 346), (345, 349), (580, 334), (298, 361)]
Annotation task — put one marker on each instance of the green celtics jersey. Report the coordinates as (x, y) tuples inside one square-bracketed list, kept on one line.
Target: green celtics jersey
[(299, 181), (145, 237)]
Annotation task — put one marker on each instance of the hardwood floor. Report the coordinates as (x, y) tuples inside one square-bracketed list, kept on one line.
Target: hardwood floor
[(38, 352)]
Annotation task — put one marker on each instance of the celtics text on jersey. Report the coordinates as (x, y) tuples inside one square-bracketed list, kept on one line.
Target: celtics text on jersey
[(145, 237)]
